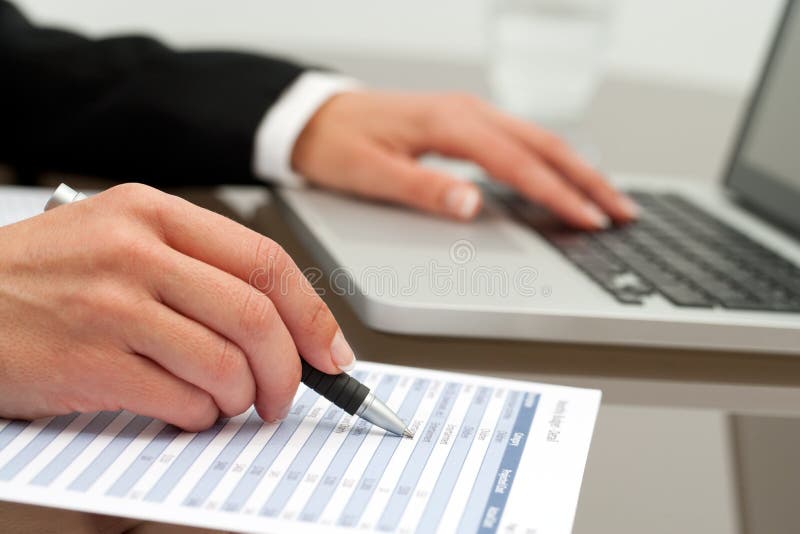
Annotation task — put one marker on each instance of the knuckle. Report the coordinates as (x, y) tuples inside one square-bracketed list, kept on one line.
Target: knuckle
[(116, 305), (123, 246), (445, 113), (457, 106), (319, 320), (141, 251), (118, 239), (592, 182), (257, 313), (415, 191), (597, 188), (229, 365), (135, 195), (271, 259), (130, 190), (553, 144), (428, 122), (144, 202)]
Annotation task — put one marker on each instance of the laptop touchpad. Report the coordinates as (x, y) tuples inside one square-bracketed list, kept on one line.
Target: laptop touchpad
[(383, 225)]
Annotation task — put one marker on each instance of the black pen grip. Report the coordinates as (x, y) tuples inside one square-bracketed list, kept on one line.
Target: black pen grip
[(343, 390)]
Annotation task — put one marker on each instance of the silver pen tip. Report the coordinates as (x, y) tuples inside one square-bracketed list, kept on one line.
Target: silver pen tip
[(408, 434)]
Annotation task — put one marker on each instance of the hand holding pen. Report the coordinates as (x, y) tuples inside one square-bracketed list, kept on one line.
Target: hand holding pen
[(138, 300), (339, 388)]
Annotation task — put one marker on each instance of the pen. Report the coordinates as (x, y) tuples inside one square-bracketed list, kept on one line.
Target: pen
[(342, 390)]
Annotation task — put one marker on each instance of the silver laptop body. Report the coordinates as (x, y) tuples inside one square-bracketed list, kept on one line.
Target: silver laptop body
[(508, 276)]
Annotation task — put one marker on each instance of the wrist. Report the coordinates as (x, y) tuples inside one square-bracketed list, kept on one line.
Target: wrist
[(288, 117)]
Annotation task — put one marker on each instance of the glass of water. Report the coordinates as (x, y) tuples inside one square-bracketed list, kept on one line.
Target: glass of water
[(546, 57)]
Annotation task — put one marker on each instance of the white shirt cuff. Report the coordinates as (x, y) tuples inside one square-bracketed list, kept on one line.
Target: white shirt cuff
[(285, 120)]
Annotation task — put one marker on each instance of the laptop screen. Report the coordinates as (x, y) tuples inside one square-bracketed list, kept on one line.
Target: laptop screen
[(765, 171)]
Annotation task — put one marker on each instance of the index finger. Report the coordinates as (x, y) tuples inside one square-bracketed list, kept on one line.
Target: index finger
[(256, 259)]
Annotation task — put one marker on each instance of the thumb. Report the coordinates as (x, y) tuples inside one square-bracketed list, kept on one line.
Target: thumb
[(405, 181)]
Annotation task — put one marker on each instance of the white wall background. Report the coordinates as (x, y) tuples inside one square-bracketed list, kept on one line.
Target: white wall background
[(714, 43)]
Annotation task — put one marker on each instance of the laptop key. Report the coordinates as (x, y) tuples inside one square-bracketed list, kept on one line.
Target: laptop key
[(684, 295), (738, 303)]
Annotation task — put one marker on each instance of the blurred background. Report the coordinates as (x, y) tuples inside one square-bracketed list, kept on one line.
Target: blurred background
[(710, 43), (678, 69)]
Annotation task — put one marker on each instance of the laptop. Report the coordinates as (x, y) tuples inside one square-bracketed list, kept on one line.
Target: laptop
[(708, 266)]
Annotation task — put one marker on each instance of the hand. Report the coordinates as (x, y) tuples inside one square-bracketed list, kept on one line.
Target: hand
[(366, 143), (138, 300)]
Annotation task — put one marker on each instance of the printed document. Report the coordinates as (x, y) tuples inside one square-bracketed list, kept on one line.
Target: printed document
[(17, 203), (489, 455)]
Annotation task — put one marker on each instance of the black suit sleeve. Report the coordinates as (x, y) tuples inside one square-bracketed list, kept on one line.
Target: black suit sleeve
[(129, 108)]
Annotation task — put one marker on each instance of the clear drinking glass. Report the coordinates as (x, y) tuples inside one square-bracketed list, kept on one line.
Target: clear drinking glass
[(546, 57)]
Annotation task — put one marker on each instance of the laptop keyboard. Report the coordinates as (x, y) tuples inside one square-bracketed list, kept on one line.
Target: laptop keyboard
[(685, 254)]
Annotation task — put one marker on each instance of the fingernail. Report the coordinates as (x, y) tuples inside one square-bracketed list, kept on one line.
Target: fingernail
[(630, 207), (284, 413), (462, 201), (341, 353), (598, 218)]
